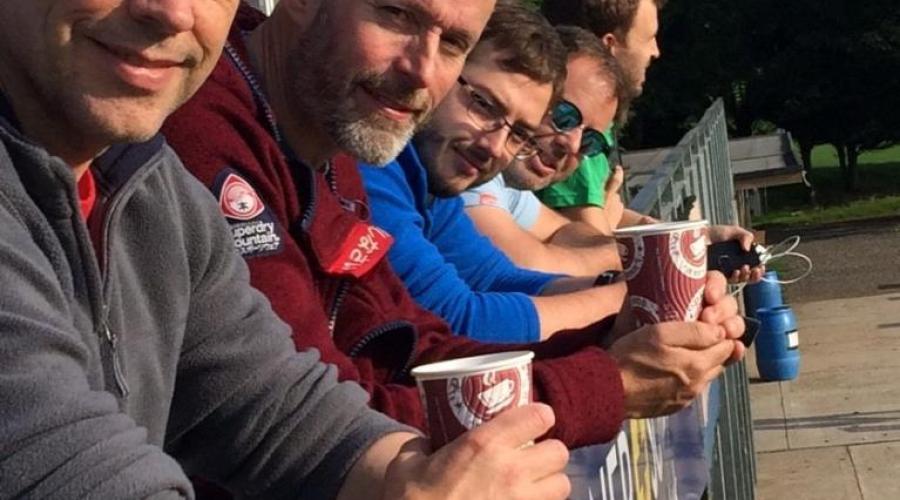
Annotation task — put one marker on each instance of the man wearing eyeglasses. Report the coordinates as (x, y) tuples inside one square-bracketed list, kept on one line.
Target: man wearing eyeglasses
[(505, 209), (490, 119), (484, 123), (356, 311)]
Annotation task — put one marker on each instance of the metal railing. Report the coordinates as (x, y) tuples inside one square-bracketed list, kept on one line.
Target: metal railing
[(696, 175)]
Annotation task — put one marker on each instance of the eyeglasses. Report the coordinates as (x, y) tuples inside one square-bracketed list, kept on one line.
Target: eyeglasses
[(566, 117), (489, 117)]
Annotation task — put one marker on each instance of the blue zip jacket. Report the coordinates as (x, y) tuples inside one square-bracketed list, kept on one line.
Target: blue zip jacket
[(447, 265)]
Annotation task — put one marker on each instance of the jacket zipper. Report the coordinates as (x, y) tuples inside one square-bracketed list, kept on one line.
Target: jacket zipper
[(113, 342), (331, 179), (378, 332), (109, 336), (344, 283), (355, 206), (106, 333), (343, 290)]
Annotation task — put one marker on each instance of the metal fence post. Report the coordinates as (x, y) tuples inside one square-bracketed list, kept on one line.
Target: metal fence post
[(700, 165)]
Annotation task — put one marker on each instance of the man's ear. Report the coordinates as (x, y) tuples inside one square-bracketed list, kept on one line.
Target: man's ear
[(610, 41)]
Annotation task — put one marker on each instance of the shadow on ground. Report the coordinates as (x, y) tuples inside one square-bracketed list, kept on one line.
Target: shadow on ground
[(876, 421)]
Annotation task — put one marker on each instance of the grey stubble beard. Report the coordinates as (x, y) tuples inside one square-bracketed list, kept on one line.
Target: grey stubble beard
[(326, 99)]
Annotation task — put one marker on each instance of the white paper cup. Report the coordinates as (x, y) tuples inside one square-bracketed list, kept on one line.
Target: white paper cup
[(665, 267), (463, 393)]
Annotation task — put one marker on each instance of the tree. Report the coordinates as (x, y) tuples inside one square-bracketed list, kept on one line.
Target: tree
[(827, 71), (831, 80)]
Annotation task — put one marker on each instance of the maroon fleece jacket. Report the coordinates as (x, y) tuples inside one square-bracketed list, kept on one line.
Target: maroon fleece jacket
[(368, 326)]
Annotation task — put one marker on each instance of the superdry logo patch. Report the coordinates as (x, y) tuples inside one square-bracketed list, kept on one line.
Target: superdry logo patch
[(238, 200), (253, 228), (256, 238)]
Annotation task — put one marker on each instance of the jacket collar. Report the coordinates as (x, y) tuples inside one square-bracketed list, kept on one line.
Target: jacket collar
[(46, 180), (417, 178), (8, 118), (120, 162), (112, 168), (333, 204)]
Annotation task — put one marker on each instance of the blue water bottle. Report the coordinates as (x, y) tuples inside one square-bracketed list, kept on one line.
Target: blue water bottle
[(778, 344), (763, 295)]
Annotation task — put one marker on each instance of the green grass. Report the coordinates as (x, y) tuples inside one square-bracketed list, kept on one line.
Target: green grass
[(825, 155), (877, 194), (856, 210)]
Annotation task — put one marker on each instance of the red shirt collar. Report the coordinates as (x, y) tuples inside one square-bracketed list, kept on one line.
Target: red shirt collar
[(87, 193)]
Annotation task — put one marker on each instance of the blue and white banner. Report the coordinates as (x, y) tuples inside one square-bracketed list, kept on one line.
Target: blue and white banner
[(651, 459)]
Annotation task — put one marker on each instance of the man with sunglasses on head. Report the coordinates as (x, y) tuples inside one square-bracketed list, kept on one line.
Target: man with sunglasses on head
[(505, 209)]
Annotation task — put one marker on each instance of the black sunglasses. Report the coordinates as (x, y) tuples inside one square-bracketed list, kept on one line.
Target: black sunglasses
[(565, 117)]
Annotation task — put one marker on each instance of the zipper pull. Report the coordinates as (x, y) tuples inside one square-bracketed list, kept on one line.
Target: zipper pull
[(113, 341)]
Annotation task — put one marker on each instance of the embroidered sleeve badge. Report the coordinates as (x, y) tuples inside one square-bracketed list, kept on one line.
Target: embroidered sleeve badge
[(238, 200), (253, 228)]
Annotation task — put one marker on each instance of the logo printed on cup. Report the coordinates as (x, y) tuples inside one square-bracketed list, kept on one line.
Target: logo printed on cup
[(694, 307), (688, 251), (476, 399), (646, 312), (460, 394), (632, 252)]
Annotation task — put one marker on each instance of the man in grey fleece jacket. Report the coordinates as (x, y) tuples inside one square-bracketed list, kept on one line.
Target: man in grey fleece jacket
[(132, 348)]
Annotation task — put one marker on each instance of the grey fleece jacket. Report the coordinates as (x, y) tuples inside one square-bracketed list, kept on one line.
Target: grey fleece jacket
[(118, 378)]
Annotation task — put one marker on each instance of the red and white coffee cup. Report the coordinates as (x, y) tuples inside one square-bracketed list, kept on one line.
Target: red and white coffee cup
[(463, 393), (665, 267)]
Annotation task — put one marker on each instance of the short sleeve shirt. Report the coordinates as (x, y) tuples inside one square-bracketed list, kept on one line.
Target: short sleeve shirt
[(586, 186), (524, 206)]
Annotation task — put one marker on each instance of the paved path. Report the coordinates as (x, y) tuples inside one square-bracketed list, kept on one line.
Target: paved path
[(834, 433), (853, 259)]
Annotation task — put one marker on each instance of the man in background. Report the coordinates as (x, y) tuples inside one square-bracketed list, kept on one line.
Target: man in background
[(304, 227), (449, 268), (506, 210), (133, 349), (628, 29)]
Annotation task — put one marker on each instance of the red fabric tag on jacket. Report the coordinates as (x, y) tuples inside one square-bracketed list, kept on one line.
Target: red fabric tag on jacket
[(364, 246)]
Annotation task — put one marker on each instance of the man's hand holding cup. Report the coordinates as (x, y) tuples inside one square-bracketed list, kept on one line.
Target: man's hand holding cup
[(688, 323)]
